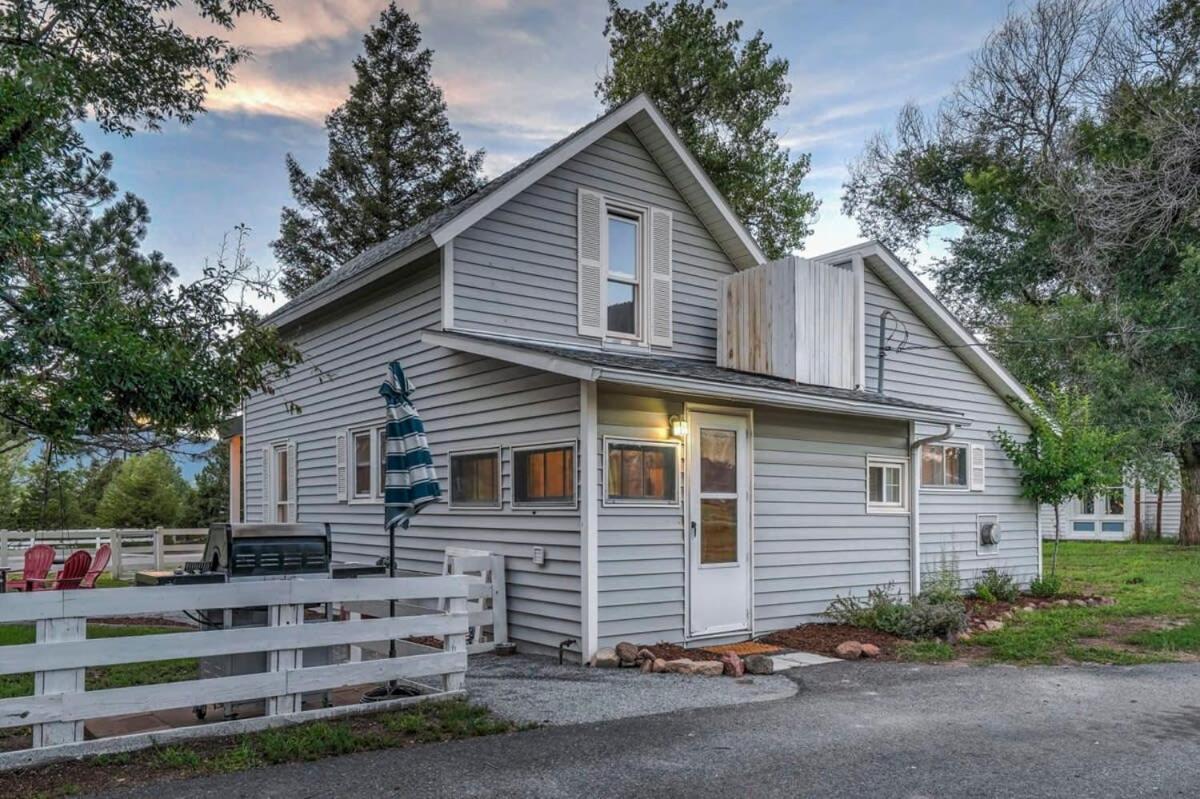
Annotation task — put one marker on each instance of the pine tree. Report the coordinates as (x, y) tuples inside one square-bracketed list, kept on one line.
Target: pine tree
[(393, 159)]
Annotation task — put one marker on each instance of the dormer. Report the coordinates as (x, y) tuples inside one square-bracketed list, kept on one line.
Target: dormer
[(795, 318)]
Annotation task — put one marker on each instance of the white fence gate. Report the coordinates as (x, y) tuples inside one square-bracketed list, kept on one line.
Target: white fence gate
[(59, 659)]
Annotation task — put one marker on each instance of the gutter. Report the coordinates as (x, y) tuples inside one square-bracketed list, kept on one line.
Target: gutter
[(914, 498)]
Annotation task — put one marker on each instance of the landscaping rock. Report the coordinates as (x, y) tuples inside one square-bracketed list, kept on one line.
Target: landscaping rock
[(606, 658), (644, 654), (1062, 603), (708, 668), (733, 664), (646, 666), (759, 664), (870, 651), (681, 666), (1028, 608), (1079, 603), (849, 650), (963, 637), (627, 652), (660, 665), (992, 625)]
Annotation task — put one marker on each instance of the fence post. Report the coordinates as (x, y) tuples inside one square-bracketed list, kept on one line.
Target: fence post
[(59, 681), (4, 549), (114, 565), (158, 547), (285, 659), (456, 642), (499, 601)]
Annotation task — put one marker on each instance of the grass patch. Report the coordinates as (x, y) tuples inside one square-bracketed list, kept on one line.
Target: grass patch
[(419, 724), (1152, 583), (925, 652)]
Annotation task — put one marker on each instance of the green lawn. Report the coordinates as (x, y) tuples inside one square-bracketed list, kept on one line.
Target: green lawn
[(1156, 617)]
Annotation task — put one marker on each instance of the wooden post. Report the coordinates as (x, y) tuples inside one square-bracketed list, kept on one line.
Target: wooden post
[(1158, 512), (284, 659), (1137, 511), (114, 567), (4, 549), (499, 601), (158, 548), (456, 642), (59, 681)]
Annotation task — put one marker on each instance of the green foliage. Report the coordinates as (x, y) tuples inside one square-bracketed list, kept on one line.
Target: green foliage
[(719, 92), (393, 159), (926, 652), (147, 491), (101, 347), (1046, 586), (884, 610), (209, 501), (997, 586), (943, 586)]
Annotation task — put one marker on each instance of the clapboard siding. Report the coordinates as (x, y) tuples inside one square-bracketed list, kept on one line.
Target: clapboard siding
[(515, 270), (813, 538), (948, 518), (466, 402)]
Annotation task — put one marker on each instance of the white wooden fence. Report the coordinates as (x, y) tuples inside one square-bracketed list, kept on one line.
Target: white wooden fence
[(62, 653), (132, 549)]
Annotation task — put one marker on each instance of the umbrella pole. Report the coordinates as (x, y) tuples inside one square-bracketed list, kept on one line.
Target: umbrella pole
[(392, 574)]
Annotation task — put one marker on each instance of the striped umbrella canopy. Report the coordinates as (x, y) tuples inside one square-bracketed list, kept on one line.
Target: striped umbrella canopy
[(411, 482)]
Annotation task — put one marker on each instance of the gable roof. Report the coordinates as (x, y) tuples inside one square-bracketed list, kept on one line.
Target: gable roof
[(646, 122), (929, 309)]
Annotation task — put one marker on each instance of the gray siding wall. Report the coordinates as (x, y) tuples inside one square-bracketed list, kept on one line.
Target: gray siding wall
[(466, 402), (515, 271), (948, 518), (813, 538)]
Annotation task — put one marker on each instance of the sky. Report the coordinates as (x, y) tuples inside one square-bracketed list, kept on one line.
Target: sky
[(517, 76)]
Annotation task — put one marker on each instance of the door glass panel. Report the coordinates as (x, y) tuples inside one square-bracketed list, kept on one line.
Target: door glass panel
[(718, 531), (718, 461)]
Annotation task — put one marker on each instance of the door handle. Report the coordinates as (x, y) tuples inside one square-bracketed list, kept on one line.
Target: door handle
[(693, 529)]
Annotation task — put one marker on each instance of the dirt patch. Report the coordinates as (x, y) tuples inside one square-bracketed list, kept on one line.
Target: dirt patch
[(425, 640), (675, 652), (822, 639), (142, 621)]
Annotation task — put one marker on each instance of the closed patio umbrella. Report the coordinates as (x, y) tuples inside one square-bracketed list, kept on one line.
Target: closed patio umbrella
[(410, 482)]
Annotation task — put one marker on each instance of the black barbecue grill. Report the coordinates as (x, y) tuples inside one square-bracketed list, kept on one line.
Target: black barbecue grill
[(266, 551)]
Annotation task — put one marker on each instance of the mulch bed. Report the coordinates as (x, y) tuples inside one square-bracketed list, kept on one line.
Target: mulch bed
[(822, 639), (676, 652)]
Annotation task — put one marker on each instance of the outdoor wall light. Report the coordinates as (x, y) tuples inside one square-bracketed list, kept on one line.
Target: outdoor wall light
[(678, 426)]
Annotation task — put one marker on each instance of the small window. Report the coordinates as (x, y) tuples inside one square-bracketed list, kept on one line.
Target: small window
[(1114, 502), (886, 485), (283, 481), (1087, 506), (381, 446), (544, 475), (362, 464), (475, 479), (622, 290), (641, 472), (944, 466)]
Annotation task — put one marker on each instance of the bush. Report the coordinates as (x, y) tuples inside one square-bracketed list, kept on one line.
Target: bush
[(942, 588), (885, 611), (1045, 587), (878, 608), (996, 586)]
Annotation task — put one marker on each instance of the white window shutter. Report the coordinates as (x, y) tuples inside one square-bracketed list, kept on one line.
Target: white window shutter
[(660, 277), (591, 264), (978, 464), (340, 460), (267, 485), (293, 469)]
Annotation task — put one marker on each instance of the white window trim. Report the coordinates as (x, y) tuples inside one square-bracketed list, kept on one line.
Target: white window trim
[(537, 506), (887, 507), (375, 497), (641, 214), (460, 508), (607, 502), (271, 481), (944, 489)]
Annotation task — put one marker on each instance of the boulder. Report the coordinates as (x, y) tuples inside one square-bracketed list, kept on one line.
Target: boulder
[(1028, 608), (709, 668), (627, 652), (1062, 603), (759, 664), (644, 654), (681, 666), (646, 666), (606, 658), (870, 651), (992, 625), (660, 665), (849, 650), (1079, 603), (733, 664)]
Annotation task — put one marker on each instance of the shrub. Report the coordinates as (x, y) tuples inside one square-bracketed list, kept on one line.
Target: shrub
[(942, 587), (996, 586), (930, 620), (1047, 586), (880, 603), (885, 611)]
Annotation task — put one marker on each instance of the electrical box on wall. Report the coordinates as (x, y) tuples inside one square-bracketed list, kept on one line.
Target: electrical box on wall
[(987, 533), (539, 556)]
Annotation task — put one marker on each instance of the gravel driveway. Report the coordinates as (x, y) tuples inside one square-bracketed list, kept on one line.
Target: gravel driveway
[(852, 730)]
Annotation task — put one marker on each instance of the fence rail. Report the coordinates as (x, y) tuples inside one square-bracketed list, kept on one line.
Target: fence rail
[(132, 549), (62, 652)]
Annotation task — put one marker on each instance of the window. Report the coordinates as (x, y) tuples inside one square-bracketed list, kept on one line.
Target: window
[(886, 485), (366, 458), (363, 468), (475, 479), (1114, 502), (282, 482), (381, 444), (544, 475), (641, 472), (622, 289), (944, 466)]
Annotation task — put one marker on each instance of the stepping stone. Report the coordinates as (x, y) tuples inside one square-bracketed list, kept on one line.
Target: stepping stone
[(794, 660)]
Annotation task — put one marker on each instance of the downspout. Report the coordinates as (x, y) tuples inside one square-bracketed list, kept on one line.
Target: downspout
[(914, 499)]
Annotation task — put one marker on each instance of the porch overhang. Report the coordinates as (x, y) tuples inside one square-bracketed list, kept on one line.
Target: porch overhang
[(690, 378)]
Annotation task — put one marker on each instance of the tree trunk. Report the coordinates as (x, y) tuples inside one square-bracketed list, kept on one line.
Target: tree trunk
[(1189, 500), (1057, 536), (1158, 510), (1137, 511)]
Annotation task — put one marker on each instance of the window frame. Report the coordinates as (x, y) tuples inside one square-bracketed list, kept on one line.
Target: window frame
[(943, 445), (286, 448), (377, 434), (609, 502), (885, 462), (457, 506), (638, 216), (536, 505)]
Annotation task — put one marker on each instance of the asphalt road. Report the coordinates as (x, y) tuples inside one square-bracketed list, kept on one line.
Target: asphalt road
[(861, 730)]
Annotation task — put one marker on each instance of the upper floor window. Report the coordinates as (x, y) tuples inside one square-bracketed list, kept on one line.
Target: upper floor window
[(944, 466), (623, 290)]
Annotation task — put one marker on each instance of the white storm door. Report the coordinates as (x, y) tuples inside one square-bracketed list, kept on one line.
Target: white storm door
[(718, 478)]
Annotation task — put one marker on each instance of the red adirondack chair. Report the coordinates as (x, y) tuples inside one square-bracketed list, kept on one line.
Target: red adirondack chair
[(38, 560), (72, 572), (99, 564)]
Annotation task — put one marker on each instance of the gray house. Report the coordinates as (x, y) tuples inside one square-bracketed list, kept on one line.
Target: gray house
[(667, 437)]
